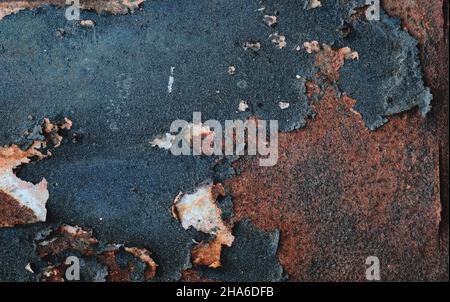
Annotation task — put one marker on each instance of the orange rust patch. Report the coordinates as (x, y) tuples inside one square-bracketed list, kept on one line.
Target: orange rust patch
[(341, 193), (312, 89), (207, 254), (20, 202), (78, 233), (12, 156), (116, 273), (330, 60), (144, 255), (53, 273), (20, 197), (427, 21)]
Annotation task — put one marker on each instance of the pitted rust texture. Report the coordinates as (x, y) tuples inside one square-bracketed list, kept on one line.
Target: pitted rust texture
[(191, 275), (390, 184), (341, 193), (427, 21), (12, 212), (99, 261)]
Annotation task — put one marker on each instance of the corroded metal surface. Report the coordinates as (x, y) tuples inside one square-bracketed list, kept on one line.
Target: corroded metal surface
[(362, 167)]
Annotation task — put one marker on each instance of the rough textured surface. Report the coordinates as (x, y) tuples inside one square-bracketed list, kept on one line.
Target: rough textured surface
[(22, 202), (339, 192), (8, 7), (200, 211), (252, 257), (386, 79), (99, 261), (427, 21)]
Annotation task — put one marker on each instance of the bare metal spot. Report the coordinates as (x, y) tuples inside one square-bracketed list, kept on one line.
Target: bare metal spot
[(200, 211)]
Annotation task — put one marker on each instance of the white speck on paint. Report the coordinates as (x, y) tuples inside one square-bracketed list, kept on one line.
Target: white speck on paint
[(171, 80), (28, 268), (283, 105)]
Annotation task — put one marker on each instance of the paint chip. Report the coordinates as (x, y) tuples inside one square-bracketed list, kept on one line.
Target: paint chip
[(243, 106), (145, 257), (51, 130), (106, 256), (188, 133), (312, 46), (163, 142), (283, 105), (270, 20), (28, 268), (255, 46), (231, 70), (200, 211), (278, 40), (87, 23), (313, 4), (21, 202)]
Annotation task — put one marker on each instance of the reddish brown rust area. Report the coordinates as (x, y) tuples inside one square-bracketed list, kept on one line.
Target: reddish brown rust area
[(428, 22), (312, 89), (191, 275), (116, 273), (53, 273), (207, 253), (329, 60), (17, 198), (341, 193), (68, 238), (123, 273), (77, 239), (12, 213), (144, 255), (22, 202)]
